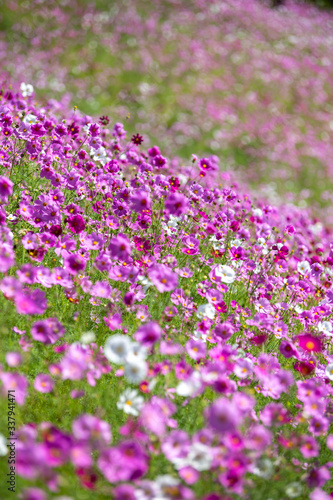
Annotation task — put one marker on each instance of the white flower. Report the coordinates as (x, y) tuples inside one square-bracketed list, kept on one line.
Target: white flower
[(3, 446), (117, 347), (198, 335), (130, 402), (217, 244), (206, 311), (200, 457), (145, 282), (87, 337), (303, 267), (329, 371), (98, 154), (30, 118), (257, 212), (135, 369), (226, 273), (137, 350), (26, 89), (86, 128), (264, 468), (261, 242), (189, 386), (294, 490), (326, 327), (236, 243)]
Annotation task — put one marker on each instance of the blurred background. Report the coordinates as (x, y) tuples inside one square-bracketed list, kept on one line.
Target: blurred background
[(249, 81)]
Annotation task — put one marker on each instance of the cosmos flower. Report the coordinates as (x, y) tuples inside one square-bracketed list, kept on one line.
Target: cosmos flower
[(130, 402)]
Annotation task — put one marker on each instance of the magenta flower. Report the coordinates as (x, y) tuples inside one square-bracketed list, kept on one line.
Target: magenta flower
[(287, 349), (163, 278), (47, 331), (126, 462), (140, 201), (74, 264), (43, 383), (310, 343), (224, 330), (6, 188), (31, 302), (205, 164), (148, 334), (76, 223), (195, 349), (223, 416), (120, 247), (176, 204)]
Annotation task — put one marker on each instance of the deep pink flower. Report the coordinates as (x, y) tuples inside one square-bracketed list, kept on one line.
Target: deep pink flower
[(120, 247), (31, 302), (74, 263), (223, 416), (76, 223), (148, 334), (6, 188), (310, 343), (47, 331), (176, 204), (140, 201)]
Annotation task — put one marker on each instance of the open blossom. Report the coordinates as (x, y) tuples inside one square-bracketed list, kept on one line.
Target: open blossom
[(140, 201), (309, 343), (225, 273), (76, 223), (163, 278), (148, 334), (130, 402), (6, 188), (206, 311), (43, 383), (176, 204), (117, 348), (31, 302), (26, 89), (223, 416), (329, 371), (120, 247)]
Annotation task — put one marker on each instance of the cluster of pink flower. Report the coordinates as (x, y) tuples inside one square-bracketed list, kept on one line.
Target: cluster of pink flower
[(245, 80), (213, 300)]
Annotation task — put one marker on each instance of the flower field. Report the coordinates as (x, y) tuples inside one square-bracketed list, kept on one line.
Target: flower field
[(166, 251)]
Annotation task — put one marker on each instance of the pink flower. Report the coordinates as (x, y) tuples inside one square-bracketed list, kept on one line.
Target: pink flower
[(43, 383), (17, 383), (6, 188), (76, 223), (31, 302), (163, 278), (176, 204), (120, 247), (140, 201), (148, 334), (223, 416)]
